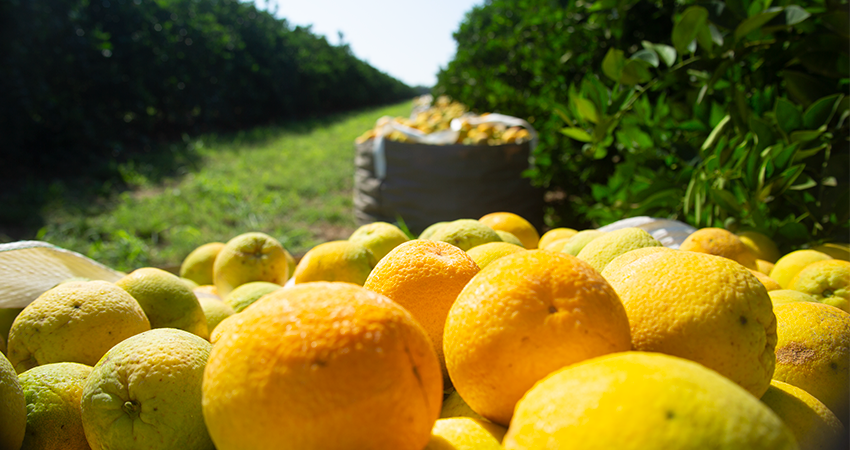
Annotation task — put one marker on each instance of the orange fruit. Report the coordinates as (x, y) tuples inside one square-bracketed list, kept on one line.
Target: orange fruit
[(465, 233), (198, 264), (522, 317), (602, 250), (783, 296), (701, 307), (813, 353), (322, 366), (251, 256), (764, 266), (836, 250), (555, 234), (336, 261), (74, 322), (638, 400), (762, 246), (14, 406), (484, 254), (828, 281), (720, 242), (464, 433), (53, 392), (788, 266), (514, 224), (769, 283), (812, 423), (425, 277), (379, 237)]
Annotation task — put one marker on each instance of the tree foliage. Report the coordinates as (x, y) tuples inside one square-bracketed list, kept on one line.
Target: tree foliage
[(734, 115), (88, 79)]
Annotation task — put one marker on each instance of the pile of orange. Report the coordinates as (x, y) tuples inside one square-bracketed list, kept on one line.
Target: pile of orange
[(478, 333)]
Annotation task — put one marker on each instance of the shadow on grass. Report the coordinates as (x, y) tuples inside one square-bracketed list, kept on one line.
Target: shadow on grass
[(85, 184)]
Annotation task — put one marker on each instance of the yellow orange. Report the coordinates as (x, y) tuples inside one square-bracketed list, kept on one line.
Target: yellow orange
[(198, 264), (53, 393), (464, 433), (602, 250), (74, 322), (14, 407), (379, 237), (555, 234), (762, 246), (522, 317), (828, 281), (813, 353), (336, 261), (812, 423), (514, 224), (769, 283), (251, 256), (701, 307), (486, 253), (465, 233), (637, 400), (720, 242), (788, 266)]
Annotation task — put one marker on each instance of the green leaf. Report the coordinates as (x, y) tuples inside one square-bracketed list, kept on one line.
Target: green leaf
[(806, 135), (804, 88), (788, 116), (704, 38), (715, 133), (820, 112), (612, 65), (726, 200), (763, 132), (755, 22), (809, 152), (686, 29), (693, 125), (807, 183), (635, 71), (620, 99), (647, 55), (795, 14), (586, 109), (577, 134), (665, 52)]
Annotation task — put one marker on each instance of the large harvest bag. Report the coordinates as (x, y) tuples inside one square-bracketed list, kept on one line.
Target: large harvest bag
[(421, 184)]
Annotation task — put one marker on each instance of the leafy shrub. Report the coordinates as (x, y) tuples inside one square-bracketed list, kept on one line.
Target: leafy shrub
[(736, 116), (84, 80)]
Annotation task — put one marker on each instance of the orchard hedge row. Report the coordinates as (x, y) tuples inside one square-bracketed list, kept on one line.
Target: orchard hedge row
[(720, 113), (86, 79)]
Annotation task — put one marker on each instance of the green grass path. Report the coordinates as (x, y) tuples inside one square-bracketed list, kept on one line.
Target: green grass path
[(293, 182)]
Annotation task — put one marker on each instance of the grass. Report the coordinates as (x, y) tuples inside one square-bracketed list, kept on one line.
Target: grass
[(293, 182)]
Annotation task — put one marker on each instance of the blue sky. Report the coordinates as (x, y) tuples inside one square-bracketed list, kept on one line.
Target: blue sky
[(409, 40)]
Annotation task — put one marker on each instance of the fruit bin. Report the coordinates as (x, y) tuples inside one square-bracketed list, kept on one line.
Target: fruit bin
[(422, 183)]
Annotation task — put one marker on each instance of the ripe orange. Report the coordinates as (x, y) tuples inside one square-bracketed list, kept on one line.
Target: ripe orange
[(425, 277), (637, 401), (813, 353), (322, 366), (720, 242), (522, 317), (701, 307), (514, 224), (555, 234)]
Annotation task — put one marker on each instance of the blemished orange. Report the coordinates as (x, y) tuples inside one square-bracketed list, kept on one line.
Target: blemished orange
[(74, 322), (720, 242), (425, 277), (638, 401), (813, 353), (322, 366), (514, 224), (701, 307), (522, 317)]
